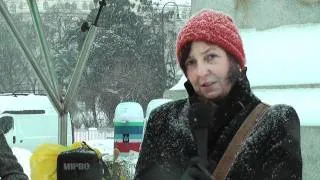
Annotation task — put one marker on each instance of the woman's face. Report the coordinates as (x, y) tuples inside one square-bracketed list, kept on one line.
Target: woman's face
[(207, 68)]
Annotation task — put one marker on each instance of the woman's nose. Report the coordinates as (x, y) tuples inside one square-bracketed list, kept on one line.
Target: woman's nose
[(202, 69)]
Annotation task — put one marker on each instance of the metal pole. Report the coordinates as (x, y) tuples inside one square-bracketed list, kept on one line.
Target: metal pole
[(162, 33), (43, 43), (82, 59), (162, 24), (63, 128)]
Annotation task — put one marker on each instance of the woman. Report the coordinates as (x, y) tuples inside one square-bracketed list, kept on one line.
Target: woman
[(210, 53)]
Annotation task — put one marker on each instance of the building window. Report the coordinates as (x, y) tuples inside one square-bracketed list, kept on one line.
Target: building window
[(91, 5), (45, 5), (67, 5), (85, 6), (74, 6), (13, 7), (21, 5)]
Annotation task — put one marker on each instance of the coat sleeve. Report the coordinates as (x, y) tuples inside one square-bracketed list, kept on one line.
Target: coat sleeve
[(10, 169), (282, 158), (147, 166)]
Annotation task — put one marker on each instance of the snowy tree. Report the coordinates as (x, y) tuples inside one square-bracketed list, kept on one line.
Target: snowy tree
[(15, 73), (126, 63), (61, 26)]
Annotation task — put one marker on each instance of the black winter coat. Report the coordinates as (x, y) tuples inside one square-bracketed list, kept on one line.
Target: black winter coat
[(10, 169), (272, 151)]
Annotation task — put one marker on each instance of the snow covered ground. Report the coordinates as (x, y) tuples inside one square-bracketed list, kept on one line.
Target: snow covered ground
[(104, 146), (23, 157)]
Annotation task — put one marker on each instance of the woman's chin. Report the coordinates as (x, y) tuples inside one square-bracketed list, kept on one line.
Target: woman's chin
[(211, 95)]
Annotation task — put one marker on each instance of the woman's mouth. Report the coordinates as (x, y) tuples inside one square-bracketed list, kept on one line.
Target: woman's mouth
[(207, 84)]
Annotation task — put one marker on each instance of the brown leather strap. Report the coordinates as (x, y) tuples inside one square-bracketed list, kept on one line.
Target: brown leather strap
[(234, 148)]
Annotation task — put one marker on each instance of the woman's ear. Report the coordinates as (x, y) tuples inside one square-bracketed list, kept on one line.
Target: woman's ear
[(244, 70)]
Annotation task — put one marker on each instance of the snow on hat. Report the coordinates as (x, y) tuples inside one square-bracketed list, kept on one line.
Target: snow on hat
[(212, 27)]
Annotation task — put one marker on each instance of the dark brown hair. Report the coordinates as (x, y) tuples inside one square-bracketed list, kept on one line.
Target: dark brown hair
[(184, 56)]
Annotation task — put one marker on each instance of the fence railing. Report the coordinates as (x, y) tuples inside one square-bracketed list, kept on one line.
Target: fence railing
[(93, 134)]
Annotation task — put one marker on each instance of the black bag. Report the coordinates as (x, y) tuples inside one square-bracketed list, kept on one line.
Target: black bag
[(80, 164)]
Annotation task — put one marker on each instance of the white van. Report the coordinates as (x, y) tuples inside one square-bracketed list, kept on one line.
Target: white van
[(35, 121)]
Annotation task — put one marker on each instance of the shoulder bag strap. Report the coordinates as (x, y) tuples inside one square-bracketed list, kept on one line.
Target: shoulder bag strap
[(233, 149)]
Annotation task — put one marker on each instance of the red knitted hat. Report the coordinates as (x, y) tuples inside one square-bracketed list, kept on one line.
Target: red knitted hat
[(212, 27)]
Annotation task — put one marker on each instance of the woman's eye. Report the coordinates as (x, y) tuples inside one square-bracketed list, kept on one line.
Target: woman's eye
[(190, 62), (211, 57)]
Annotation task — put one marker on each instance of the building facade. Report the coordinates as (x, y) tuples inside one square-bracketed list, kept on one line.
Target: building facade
[(21, 6), (264, 14)]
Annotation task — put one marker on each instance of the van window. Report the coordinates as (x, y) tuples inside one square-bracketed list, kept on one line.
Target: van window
[(25, 112)]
